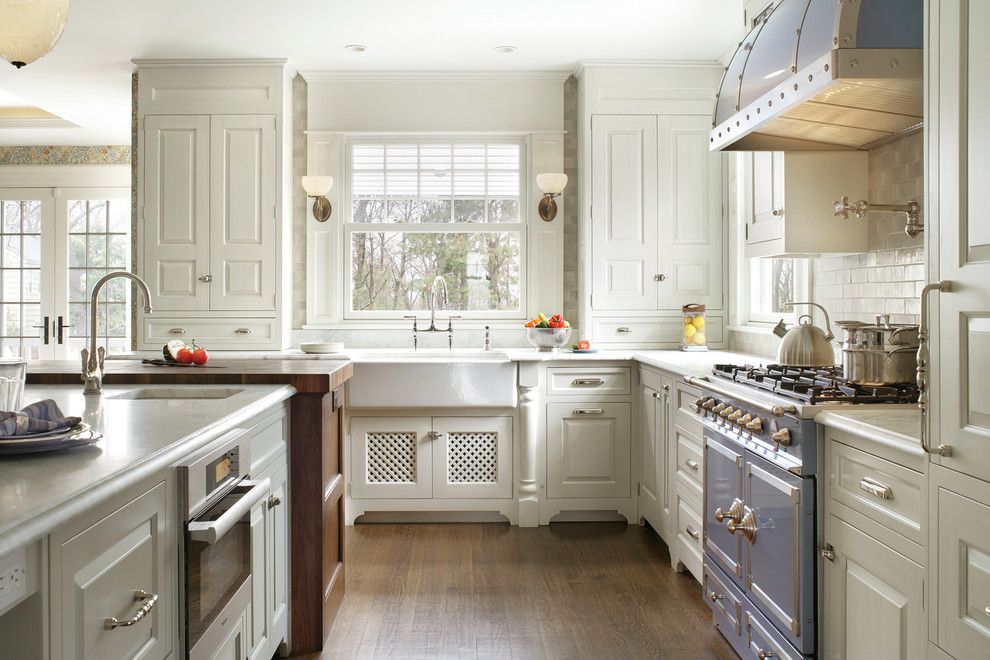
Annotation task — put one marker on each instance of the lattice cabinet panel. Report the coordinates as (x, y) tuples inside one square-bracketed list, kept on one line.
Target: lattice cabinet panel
[(472, 457), (391, 457)]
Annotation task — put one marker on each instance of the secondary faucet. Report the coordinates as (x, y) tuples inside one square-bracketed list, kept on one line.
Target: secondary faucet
[(92, 358)]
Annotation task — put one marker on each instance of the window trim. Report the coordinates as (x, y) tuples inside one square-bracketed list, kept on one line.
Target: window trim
[(343, 251), (802, 292)]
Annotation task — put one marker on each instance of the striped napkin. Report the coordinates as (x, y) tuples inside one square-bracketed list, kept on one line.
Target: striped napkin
[(41, 417)]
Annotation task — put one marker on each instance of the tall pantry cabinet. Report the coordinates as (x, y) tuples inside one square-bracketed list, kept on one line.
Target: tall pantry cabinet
[(652, 236), (213, 195)]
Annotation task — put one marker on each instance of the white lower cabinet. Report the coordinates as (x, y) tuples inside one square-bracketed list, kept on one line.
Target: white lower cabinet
[(651, 459), (431, 457), (113, 573), (960, 546), (588, 450), (267, 619)]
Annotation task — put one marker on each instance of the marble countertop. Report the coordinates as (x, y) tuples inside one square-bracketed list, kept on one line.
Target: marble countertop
[(891, 426), (38, 492)]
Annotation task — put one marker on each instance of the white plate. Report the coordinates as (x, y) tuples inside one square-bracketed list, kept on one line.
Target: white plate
[(80, 434), (321, 347)]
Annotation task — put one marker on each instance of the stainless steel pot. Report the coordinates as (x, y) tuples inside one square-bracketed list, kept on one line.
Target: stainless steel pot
[(880, 354)]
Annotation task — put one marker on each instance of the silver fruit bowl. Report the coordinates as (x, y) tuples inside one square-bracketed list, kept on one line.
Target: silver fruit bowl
[(548, 339)]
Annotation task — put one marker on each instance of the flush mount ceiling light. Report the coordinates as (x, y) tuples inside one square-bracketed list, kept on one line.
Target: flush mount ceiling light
[(355, 48), (505, 49), (551, 184), (29, 29), (317, 187)]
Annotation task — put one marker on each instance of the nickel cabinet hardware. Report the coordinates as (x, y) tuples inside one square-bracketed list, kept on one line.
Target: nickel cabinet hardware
[(588, 381), (150, 600), (693, 533), (206, 278), (747, 526), (876, 489), (242, 331), (828, 552), (944, 286), (734, 514), (274, 501), (623, 330), (692, 464), (588, 411), (176, 331), (659, 277)]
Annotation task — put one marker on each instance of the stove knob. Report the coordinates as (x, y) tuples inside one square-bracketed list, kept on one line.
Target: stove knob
[(726, 412), (756, 426), (735, 417), (717, 410), (744, 420), (708, 404), (698, 404), (782, 437)]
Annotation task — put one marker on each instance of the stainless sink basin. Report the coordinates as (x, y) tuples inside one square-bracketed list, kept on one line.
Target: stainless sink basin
[(189, 392)]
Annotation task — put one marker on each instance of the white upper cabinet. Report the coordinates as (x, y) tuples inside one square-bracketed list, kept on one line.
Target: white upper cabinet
[(624, 212), (176, 211), (789, 200), (242, 212)]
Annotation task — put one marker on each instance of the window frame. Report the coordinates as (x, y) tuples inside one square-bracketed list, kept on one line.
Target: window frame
[(802, 291), (344, 273)]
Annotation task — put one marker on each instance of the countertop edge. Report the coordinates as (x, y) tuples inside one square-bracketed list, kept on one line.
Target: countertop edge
[(877, 434), (40, 524)]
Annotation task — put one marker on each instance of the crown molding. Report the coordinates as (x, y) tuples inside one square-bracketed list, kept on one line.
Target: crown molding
[(218, 62), (391, 75), (647, 64)]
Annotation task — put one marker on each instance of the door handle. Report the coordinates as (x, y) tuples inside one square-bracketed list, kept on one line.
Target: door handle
[(944, 287), (734, 514), (46, 325), (62, 325), (211, 531), (746, 526)]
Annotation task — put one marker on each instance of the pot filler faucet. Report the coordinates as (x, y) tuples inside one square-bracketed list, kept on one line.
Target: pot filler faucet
[(93, 357), (439, 285)]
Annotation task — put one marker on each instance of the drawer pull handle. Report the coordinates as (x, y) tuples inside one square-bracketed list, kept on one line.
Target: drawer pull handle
[(242, 331), (876, 489), (691, 463), (588, 411), (150, 600), (176, 331), (588, 381), (763, 655), (986, 610), (715, 597), (693, 533), (274, 501), (623, 330)]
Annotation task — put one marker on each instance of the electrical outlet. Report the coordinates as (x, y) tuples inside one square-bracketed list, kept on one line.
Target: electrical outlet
[(13, 578)]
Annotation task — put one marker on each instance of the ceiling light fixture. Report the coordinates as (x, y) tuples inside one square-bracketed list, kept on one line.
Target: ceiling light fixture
[(505, 49), (29, 29), (355, 48)]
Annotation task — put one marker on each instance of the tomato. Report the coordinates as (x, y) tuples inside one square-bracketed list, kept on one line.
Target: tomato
[(184, 356), (583, 345), (199, 355)]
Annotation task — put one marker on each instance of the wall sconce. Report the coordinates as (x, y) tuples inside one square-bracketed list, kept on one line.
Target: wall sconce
[(317, 187), (551, 184)]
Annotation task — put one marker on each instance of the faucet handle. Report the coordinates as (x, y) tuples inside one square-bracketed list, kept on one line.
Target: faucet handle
[(101, 356), (84, 354)]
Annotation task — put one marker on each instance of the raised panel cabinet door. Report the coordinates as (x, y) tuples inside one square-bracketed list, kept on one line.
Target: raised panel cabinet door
[(391, 457), (764, 194), (624, 212), (665, 478), (258, 631), (961, 530), (961, 388), (242, 212), (588, 450), (649, 483), (177, 211), (874, 599), (690, 214), (121, 568), (472, 457), (277, 554)]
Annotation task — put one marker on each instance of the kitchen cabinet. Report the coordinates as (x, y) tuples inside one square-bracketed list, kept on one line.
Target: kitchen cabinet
[(650, 459), (431, 457), (788, 200), (115, 564), (588, 450), (267, 622)]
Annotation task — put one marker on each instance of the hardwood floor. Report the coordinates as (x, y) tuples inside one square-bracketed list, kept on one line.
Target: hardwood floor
[(571, 590)]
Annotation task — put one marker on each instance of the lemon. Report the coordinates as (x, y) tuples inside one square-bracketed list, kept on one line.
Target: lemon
[(689, 331), (699, 338), (688, 320), (698, 322)]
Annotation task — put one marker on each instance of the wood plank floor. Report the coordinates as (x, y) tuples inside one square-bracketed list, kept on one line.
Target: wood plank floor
[(571, 590)]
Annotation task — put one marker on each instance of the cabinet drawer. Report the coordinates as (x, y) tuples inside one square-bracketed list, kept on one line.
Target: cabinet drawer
[(651, 331), (684, 398), (267, 440), (724, 600), (689, 531), (572, 381), (212, 332), (761, 637), (690, 462), (888, 493)]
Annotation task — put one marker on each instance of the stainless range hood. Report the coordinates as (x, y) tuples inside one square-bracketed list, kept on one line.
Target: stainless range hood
[(824, 75)]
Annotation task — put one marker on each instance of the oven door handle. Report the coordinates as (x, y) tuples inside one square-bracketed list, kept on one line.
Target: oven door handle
[(212, 531)]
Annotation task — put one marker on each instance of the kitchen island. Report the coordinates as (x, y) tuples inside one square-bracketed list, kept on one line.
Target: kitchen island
[(315, 465)]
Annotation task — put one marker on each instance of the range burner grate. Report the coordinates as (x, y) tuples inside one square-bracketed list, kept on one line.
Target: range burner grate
[(818, 385)]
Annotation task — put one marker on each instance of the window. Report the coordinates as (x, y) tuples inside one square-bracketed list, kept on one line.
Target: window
[(773, 282), (418, 210), (20, 234)]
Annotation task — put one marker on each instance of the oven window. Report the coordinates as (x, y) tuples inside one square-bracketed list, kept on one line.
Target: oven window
[(214, 572)]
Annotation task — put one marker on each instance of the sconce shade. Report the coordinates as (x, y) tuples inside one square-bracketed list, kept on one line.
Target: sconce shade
[(29, 29), (551, 183), (317, 186)]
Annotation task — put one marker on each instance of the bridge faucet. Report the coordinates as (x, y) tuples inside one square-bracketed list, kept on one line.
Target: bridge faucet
[(92, 358)]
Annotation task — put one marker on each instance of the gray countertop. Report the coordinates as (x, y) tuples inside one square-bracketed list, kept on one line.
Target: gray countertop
[(895, 427), (38, 492)]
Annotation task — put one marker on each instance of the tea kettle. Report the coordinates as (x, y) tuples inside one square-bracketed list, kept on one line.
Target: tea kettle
[(805, 344)]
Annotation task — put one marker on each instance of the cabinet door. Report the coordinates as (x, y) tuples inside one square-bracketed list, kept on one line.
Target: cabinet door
[(177, 211), (588, 449), (472, 457), (278, 552), (259, 633), (624, 212), (874, 599), (114, 568), (649, 460), (242, 212), (961, 390), (690, 214), (961, 564), (391, 457), (764, 205), (666, 457)]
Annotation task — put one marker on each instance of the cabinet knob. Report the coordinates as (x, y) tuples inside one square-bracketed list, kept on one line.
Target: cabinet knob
[(828, 552), (206, 278), (274, 501), (715, 597), (659, 277), (762, 655), (778, 212)]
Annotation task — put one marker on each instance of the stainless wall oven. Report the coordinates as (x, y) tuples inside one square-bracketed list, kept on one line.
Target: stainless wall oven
[(217, 500)]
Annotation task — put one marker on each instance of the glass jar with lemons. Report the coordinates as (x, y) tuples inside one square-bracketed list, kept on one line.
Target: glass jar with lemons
[(693, 334)]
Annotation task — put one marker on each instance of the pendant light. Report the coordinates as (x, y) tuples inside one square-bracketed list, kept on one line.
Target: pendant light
[(29, 29)]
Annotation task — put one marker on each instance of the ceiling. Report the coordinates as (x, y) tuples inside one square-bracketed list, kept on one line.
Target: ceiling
[(86, 78)]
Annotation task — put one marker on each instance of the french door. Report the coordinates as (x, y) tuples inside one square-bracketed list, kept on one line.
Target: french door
[(54, 245)]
